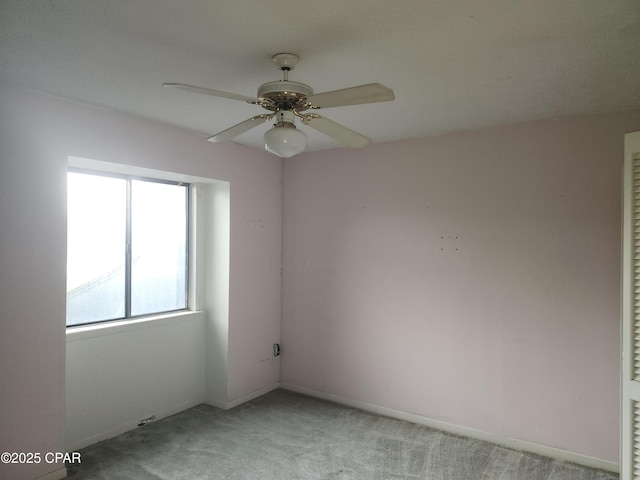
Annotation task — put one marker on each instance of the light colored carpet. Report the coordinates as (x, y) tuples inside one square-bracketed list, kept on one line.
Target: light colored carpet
[(284, 435)]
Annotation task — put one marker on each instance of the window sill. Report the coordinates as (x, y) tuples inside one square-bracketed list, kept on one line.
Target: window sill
[(119, 326)]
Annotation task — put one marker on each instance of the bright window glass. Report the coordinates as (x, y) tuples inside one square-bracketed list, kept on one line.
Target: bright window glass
[(158, 247), (127, 249)]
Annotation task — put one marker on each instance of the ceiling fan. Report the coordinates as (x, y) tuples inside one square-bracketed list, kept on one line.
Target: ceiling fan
[(286, 100)]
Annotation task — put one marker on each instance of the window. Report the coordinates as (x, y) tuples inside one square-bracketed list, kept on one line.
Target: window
[(127, 247)]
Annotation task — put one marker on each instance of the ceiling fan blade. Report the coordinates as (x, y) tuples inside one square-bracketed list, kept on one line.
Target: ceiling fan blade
[(342, 134), (370, 93), (208, 91), (232, 132)]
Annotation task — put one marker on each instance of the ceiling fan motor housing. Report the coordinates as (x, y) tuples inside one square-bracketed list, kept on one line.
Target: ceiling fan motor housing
[(284, 95)]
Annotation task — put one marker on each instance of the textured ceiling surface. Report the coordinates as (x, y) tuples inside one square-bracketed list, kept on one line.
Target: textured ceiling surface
[(454, 65)]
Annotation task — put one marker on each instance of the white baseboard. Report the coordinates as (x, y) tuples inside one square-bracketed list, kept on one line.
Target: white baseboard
[(512, 443), (55, 475), (125, 427), (226, 405)]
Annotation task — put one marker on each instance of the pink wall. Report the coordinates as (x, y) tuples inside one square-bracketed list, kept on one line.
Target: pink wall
[(471, 278), (37, 133)]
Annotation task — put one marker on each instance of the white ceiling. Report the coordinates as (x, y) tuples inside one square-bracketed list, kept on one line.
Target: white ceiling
[(453, 64)]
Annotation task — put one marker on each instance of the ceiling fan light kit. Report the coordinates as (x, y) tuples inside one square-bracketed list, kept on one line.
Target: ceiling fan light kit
[(284, 139), (286, 100)]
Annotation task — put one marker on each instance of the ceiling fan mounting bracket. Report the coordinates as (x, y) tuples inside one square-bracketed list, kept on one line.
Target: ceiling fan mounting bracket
[(285, 61)]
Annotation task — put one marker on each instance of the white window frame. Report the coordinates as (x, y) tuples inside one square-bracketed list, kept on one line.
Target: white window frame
[(127, 294), (208, 245)]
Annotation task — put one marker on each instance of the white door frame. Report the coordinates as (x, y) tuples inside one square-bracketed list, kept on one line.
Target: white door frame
[(630, 332)]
